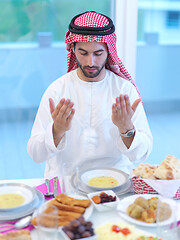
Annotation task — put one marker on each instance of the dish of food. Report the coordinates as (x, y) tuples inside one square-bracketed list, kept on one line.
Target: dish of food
[(104, 178), (79, 228), (82, 189), (22, 212), (14, 196), (126, 208), (104, 201), (121, 230), (69, 208)]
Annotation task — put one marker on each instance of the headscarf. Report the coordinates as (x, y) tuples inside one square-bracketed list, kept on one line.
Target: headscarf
[(89, 27)]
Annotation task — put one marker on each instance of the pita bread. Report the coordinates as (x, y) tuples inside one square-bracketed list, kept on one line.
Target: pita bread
[(145, 170), (168, 169)]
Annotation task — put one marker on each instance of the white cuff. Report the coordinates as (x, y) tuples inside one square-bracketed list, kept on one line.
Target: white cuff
[(49, 140), (123, 147)]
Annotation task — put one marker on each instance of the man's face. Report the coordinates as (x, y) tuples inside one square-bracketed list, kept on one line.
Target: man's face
[(91, 58)]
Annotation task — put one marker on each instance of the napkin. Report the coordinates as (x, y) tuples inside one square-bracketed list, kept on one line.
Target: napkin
[(42, 188), (4, 229)]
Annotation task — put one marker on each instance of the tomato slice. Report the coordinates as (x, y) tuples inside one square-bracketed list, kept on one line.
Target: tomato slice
[(115, 228), (125, 231)]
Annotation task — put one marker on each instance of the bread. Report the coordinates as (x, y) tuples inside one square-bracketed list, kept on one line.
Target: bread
[(145, 170), (65, 207), (168, 169), (63, 198), (68, 209), (16, 235)]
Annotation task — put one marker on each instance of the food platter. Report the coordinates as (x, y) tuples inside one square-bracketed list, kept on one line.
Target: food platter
[(104, 231), (26, 192), (125, 202), (119, 176), (84, 190), (22, 212), (87, 214)]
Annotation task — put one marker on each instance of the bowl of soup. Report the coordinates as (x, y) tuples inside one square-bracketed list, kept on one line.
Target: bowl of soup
[(15, 195), (104, 178)]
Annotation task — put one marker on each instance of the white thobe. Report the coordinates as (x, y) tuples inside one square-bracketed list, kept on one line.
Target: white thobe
[(93, 139)]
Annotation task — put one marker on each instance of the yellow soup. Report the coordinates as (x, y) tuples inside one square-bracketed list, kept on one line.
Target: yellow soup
[(11, 200), (103, 181)]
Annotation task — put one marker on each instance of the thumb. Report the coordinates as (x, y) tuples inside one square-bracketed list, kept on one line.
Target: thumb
[(51, 105), (135, 104)]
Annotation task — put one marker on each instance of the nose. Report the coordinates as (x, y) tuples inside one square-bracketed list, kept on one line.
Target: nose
[(90, 60)]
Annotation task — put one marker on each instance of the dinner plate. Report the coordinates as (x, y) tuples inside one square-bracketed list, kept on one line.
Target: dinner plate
[(119, 175), (86, 215), (22, 212), (27, 192), (125, 202), (104, 229), (84, 190)]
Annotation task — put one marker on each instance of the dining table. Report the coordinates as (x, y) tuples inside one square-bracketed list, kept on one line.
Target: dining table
[(97, 218)]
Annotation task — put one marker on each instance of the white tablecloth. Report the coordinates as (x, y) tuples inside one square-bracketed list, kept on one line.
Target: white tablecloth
[(98, 218)]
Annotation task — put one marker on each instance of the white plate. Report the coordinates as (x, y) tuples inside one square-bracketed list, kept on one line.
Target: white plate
[(123, 224), (17, 188), (119, 175), (86, 214), (19, 213), (125, 202), (84, 190)]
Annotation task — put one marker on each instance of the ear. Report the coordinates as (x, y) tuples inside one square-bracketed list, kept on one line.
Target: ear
[(72, 47)]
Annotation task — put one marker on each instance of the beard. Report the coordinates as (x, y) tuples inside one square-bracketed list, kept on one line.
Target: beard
[(93, 74)]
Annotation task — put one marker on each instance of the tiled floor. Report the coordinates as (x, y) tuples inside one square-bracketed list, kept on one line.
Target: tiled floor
[(15, 163)]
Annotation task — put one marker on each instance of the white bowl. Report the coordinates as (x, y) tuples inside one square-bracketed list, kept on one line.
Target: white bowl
[(65, 236), (102, 207), (119, 175)]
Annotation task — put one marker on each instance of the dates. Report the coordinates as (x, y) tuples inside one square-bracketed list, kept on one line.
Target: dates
[(103, 198), (79, 228)]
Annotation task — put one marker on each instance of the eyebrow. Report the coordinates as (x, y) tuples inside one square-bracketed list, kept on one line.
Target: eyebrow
[(100, 50)]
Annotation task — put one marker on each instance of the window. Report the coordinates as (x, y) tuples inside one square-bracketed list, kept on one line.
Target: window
[(32, 56), (21, 20), (173, 19)]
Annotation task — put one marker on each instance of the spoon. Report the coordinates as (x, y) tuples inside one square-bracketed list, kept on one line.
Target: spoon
[(48, 193), (22, 223)]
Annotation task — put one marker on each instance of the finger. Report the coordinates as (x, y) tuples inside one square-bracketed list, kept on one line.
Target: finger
[(67, 111), (51, 105), (71, 115), (58, 107), (127, 103), (135, 104), (118, 106), (114, 108), (63, 108), (123, 104)]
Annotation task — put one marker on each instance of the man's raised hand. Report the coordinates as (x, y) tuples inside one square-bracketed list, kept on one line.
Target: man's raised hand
[(62, 116), (122, 112)]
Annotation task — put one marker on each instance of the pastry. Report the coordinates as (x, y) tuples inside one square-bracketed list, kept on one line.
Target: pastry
[(65, 207), (63, 198), (16, 235)]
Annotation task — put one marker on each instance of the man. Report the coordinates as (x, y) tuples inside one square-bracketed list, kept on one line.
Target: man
[(93, 115)]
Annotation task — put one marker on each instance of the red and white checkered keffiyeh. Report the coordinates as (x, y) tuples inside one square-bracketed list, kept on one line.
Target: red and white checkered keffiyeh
[(93, 19)]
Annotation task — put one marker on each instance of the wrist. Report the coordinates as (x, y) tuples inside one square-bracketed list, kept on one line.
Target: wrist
[(127, 133), (58, 134)]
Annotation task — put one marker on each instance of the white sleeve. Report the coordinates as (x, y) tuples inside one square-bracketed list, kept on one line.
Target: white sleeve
[(41, 145), (142, 143)]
